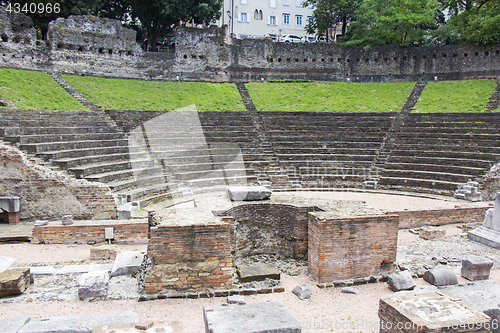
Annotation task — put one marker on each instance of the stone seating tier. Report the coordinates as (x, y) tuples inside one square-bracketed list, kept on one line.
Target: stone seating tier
[(420, 185), (424, 174), (455, 169)]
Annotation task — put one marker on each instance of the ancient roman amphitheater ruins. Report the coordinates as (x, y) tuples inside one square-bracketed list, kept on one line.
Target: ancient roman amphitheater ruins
[(208, 190)]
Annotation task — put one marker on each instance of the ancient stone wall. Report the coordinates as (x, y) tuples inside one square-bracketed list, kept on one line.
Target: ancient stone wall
[(92, 232), (16, 28), (102, 47), (46, 194), (417, 218), (350, 248), (90, 33), (190, 258), (270, 229)]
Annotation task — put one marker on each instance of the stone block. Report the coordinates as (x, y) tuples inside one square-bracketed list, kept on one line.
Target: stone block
[(483, 295), (430, 233), (10, 204), (67, 220), (476, 268), (78, 323), (350, 290), (486, 236), (401, 281), (370, 185), (158, 327), (186, 192), (440, 277), (434, 312), (128, 210), (247, 193), (7, 263), (93, 284), (41, 223), (14, 281), (13, 325), (105, 252), (127, 263), (257, 272), (236, 299), (302, 291), (263, 317)]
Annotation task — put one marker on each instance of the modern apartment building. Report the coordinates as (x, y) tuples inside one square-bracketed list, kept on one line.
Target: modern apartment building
[(263, 18)]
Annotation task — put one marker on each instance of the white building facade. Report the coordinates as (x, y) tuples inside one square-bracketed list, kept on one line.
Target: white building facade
[(265, 18)]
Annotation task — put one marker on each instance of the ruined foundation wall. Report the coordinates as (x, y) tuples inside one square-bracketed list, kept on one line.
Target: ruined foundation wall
[(190, 258), (350, 248), (417, 218), (46, 194), (270, 229), (124, 232)]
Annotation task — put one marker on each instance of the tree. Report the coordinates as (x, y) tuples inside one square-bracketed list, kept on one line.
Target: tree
[(156, 16), (475, 22), (328, 13), (399, 22)]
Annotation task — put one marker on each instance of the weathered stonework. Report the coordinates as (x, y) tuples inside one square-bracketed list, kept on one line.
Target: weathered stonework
[(270, 228), (16, 28), (90, 33), (351, 247), (103, 48), (46, 194), (433, 217)]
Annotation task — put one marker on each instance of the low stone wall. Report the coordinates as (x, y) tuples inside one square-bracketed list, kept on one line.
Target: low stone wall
[(92, 232), (417, 218), (351, 247), (270, 228), (190, 258)]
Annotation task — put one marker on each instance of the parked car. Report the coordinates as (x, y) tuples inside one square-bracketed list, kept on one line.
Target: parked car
[(291, 39), (321, 39)]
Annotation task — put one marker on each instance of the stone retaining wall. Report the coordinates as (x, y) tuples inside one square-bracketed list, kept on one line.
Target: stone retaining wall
[(48, 195), (351, 247), (94, 46), (92, 232)]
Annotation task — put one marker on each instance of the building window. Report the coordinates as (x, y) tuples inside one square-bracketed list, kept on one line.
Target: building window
[(298, 19), (298, 3), (272, 3), (310, 20), (257, 14), (243, 17), (243, 2), (286, 2), (272, 20), (286, 18)]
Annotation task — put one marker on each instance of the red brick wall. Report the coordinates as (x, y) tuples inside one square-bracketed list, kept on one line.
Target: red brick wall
[(349, 248), (125, 232), (190, 258), (418, 218)]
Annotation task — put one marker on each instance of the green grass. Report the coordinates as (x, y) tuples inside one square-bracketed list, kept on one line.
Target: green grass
[(153, 95), (328, 96), (35, 90), (455, 96)]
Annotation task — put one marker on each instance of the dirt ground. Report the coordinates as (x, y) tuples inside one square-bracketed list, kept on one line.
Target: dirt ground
[(328, 310)]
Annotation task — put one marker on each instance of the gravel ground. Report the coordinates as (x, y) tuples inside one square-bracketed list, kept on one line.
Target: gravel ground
[(328, 310)]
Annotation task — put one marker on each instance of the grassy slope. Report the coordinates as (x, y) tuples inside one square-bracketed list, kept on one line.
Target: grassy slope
[(455, 96), (35, 90), (154, 95), (323, 96)]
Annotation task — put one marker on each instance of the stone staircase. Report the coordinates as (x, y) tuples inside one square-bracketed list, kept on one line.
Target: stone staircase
[(494, 101), (73, 92), (274, 174), (390, 139)]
